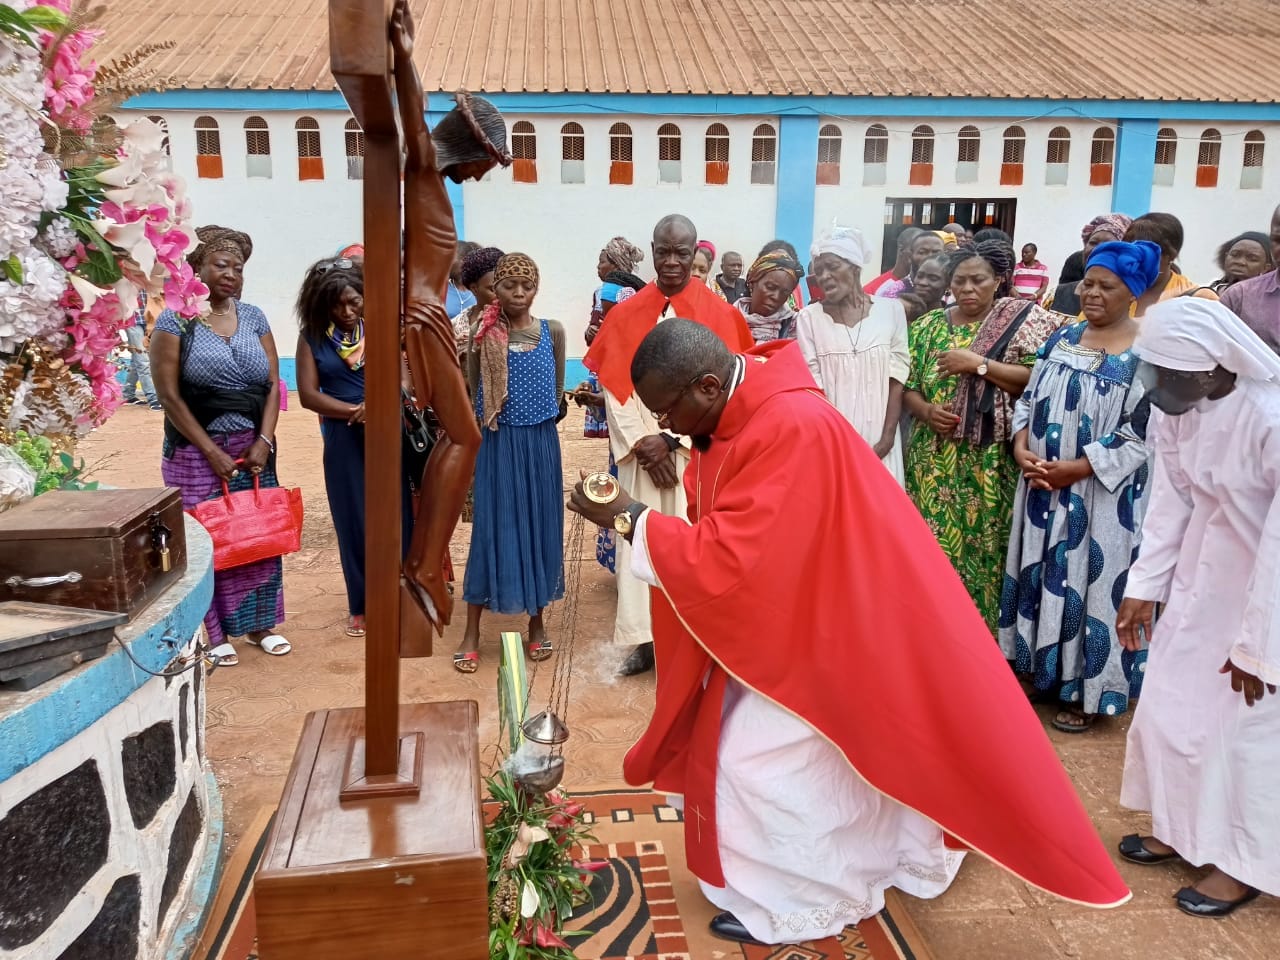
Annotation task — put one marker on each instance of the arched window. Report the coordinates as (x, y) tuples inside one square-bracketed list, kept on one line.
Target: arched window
[(1255, 145), (1102, 157), (573, 152), (1208, 159), (921, 156), (875, 155), (354, 138), (1057, 156), (621, 167), (1166, 156), (524, 152), (257, 148), (208, 149), (968, 146), (1011, 160), (830, 142), (668, 153), (310, 160), (764, 154), (717, 154)]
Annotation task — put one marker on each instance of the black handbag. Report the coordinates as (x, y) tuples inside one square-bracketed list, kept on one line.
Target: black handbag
[(419, 429)]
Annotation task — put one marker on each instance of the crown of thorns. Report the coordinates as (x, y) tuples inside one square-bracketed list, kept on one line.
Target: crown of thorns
[(463, 100)]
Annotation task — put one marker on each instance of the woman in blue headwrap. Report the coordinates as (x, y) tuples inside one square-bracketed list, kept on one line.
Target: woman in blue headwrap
[(1080, 442)]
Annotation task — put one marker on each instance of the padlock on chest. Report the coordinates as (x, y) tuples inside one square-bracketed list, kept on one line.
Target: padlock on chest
[(160, 537)]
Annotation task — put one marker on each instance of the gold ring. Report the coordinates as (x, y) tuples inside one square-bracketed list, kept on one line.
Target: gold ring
[(600, 488)]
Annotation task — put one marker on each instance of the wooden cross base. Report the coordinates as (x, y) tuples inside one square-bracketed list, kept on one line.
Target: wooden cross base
[(397, 877)]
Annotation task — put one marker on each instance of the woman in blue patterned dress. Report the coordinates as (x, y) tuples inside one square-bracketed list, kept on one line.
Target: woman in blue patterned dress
[(516, 563), (1079, 439), (219, 382)]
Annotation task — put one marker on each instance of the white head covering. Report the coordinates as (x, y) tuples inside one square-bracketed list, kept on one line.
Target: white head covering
[(1192, 334), (845, 242)]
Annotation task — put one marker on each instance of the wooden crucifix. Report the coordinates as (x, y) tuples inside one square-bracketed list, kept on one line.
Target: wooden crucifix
[(409, 289), (378, 846)]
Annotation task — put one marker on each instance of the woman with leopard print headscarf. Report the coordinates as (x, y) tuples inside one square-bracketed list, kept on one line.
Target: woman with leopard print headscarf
[(516, 370)]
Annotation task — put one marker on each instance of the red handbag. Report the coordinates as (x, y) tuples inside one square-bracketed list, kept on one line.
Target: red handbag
[(252, 525)]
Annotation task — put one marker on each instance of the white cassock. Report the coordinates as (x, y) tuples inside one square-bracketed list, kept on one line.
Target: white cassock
[(1204, 763), (628, 423), (806, 845)]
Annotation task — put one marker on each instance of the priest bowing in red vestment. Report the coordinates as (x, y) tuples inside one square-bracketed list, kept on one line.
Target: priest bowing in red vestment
[(830, 706)]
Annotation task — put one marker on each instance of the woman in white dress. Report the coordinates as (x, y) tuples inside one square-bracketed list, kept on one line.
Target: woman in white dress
[(856, 345)]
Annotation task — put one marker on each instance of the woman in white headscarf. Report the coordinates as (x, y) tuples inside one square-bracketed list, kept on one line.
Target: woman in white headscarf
[(1203, 753), (856, 345)]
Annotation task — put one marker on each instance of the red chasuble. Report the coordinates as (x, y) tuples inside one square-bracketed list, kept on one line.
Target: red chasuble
[(629, 323), (808, 576)]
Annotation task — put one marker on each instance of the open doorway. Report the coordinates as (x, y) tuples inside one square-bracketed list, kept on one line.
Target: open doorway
[(933, 213)]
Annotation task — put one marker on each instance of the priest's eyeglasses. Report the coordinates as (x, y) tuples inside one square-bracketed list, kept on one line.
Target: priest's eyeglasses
[(664, 414)]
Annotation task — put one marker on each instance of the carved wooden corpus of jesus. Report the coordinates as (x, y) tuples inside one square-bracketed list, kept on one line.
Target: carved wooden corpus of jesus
[(466, 144)]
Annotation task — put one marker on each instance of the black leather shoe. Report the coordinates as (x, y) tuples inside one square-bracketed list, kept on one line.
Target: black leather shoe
[(1133, 849), (728, 927), (640, 661), (1192, 901)]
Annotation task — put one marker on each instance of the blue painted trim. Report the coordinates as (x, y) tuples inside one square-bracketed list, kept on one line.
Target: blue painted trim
[(58, 710), (203, 891), (692, 104), (797, 180), (1135, 166)]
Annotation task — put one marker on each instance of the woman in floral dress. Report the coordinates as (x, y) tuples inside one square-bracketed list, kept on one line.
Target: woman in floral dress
[(969, 363), (1079, 438)]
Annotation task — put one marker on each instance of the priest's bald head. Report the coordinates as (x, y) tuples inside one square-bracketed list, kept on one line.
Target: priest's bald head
[(680, 371)]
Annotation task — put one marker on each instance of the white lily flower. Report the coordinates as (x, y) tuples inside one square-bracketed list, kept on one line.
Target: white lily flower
[(529, 901), (87, 292), (143, 137), (126, 170)]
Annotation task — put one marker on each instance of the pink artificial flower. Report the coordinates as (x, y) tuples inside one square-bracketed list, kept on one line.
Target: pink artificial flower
[(78, 256), (171, 246), (63, 5), (184, 293)]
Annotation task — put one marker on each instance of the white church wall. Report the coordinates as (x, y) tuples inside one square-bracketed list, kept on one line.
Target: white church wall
[(564, 225)]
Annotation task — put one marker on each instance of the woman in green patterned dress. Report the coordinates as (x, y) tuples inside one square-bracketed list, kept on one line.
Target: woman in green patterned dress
[(969, 363)]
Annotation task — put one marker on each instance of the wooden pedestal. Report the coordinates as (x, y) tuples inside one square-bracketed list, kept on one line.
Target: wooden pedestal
[(386, 877)]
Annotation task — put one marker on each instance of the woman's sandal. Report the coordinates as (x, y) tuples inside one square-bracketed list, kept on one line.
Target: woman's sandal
[(226, 655), (1134, 849), (354, 628), (468, 662), (540, 650), (273, 644), (1084, 721)]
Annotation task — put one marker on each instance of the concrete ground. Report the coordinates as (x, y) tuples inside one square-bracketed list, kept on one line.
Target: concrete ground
[(256, 709)]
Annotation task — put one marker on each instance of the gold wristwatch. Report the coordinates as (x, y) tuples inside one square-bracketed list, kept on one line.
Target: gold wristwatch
[(625, 522)]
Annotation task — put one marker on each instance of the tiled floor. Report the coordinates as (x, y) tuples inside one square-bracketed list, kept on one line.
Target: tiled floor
[(255, 713)]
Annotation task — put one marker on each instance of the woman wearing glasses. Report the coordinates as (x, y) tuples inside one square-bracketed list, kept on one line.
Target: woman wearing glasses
[(330, 363)]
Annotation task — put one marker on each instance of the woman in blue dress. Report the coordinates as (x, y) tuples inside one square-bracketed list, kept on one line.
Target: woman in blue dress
[(1079, 439), (516, 370), (330, 364)]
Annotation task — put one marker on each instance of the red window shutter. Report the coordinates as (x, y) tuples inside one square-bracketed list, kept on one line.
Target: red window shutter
[(717, 173), (828, 174), (524, 171), (921, 174), (621, 172), (1011, 174), (311, 168), (1099, 174), (209, 168), (1206, 176)]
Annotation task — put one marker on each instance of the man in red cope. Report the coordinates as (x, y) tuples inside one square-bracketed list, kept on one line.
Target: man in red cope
[(830, 705), (649, 459)]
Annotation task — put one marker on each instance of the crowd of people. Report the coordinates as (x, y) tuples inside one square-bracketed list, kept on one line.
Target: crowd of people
[(1040, 431)]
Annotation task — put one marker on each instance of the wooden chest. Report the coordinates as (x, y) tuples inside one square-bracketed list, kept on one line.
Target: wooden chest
[(100, 549)]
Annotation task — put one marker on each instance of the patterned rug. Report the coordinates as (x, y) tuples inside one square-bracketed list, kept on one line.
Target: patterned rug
[(644, 906)]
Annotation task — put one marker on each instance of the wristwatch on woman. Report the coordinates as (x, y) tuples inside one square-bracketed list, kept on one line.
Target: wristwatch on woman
[(625, 522), (982, 369)]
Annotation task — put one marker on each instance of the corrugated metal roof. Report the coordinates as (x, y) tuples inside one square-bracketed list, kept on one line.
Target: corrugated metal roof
[(1077, 49)]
